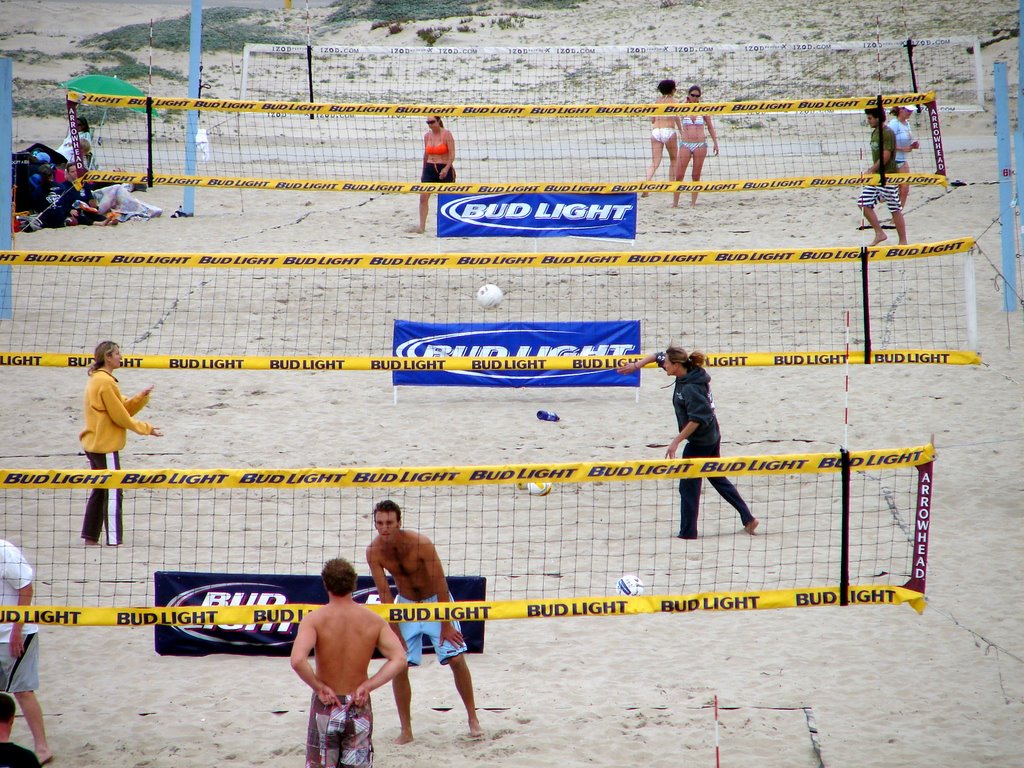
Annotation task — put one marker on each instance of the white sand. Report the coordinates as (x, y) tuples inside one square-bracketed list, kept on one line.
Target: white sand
[(887, 687)]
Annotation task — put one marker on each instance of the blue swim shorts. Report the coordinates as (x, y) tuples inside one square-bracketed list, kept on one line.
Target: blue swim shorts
[(414, 631)]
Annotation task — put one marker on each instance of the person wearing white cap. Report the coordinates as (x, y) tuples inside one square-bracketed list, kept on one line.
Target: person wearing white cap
[(19, 646), (905, 144)]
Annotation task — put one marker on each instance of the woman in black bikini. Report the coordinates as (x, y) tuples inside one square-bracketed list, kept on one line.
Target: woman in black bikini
[(438, 160)]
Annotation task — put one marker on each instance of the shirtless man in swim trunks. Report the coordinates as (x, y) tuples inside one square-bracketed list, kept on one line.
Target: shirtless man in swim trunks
[(413, 562), (883, 153), (344, 634)]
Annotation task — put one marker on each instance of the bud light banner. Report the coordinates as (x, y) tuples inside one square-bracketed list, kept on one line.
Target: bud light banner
[(273, 637), (494, 343), (537, 215)]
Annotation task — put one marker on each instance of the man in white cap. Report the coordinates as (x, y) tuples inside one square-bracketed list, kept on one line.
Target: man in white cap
[(19, 646)]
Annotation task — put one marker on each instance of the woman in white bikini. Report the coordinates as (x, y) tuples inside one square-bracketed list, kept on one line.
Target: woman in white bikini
[(693, 144), (665, 132)]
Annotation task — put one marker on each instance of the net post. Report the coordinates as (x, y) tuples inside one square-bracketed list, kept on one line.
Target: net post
[(718, 753), (309, 73), (6, 183), (149, 141), (195, 50), (979, 73), (846, 384), (844, 538), (881, 142), (1018, 149), (1005, 164), (909, 45), (243, 89), (865, 295), (922, 529), (970, 302)]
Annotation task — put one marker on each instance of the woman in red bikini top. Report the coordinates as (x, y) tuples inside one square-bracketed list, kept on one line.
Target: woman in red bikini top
[(438, 162)]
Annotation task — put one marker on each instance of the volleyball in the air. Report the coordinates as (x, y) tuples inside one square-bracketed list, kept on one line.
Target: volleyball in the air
[(536, 489), (489, 295), (629, 585)]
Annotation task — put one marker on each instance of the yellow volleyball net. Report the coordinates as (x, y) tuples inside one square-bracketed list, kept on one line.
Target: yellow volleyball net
[(764, 145), (307, 311), (834, 528)]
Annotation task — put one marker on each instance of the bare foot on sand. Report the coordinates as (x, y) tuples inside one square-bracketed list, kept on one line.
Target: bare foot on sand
[(475, 731), (404, 738), (751, 526), (880, 238)]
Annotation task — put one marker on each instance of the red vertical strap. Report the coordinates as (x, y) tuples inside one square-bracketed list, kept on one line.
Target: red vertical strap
[(936, 134), (922, 528), (76, 146)]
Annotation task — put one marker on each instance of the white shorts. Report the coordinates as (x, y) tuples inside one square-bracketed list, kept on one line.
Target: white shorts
[(21, 674)]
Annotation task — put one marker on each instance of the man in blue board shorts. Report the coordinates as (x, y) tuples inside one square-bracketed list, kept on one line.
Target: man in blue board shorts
[(414, 564)]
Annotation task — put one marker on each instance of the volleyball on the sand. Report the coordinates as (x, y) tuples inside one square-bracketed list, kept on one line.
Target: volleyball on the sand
[(489, 296), (536, 489), (629, 585)]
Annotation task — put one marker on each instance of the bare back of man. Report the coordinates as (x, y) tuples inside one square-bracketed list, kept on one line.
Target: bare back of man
[(344, 635)]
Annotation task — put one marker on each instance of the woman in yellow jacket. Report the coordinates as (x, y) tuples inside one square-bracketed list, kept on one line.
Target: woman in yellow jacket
[(108, 416)]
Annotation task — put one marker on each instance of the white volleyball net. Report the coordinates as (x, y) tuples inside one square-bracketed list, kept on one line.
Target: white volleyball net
[(572, 74)]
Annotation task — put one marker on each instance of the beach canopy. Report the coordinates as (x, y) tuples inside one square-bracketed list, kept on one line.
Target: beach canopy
[(105, 86), (102, 84)]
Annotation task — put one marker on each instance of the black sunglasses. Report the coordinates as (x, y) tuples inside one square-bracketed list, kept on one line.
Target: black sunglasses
[(695, 94)]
